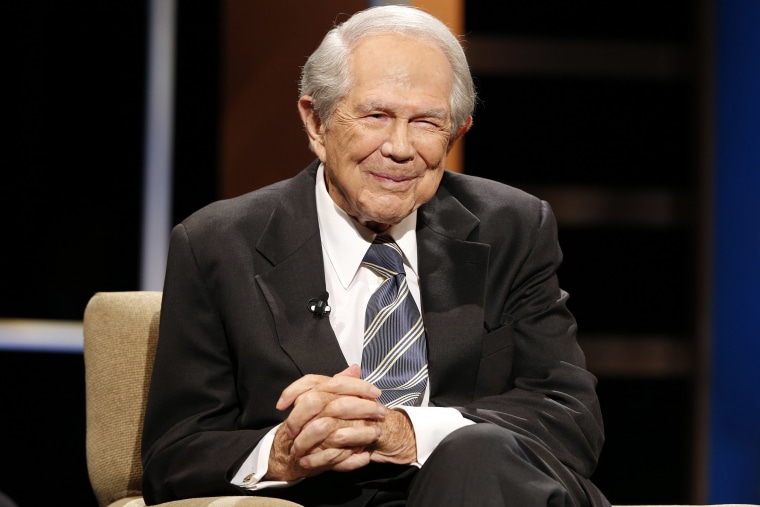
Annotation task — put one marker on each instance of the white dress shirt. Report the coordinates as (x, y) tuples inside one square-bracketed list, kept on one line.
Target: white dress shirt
[(350, 285)]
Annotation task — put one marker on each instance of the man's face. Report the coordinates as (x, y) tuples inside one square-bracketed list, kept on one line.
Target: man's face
[(385, 146)]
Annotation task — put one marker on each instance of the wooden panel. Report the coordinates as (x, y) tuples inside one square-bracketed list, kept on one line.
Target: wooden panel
[(581, 206), (638, 356), (265, 45), (450, 12), (505, 55)]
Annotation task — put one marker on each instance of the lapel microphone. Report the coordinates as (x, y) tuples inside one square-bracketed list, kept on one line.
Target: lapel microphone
[(318, 306)]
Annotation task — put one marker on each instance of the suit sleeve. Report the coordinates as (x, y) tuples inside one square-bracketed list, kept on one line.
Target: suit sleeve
[(191, 439), (550, 397)]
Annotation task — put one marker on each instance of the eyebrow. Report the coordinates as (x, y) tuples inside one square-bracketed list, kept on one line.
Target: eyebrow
[(441, 114)]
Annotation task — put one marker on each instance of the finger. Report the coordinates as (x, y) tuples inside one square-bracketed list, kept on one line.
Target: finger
[(355, 436), (313, 434), (300, 386), (324, 459), (353, 462), (350, 407), (307, 407), (326, 432), (352, 371), (346, 382), (318, 404), (312, 402), (349, 385)]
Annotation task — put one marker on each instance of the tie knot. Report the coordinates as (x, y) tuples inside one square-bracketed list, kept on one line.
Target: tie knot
[(384, 257)]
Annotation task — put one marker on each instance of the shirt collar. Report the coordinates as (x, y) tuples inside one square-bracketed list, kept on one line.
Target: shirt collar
[(345, 241)]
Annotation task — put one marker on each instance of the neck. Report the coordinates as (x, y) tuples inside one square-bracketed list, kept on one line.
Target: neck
[(377, 227)]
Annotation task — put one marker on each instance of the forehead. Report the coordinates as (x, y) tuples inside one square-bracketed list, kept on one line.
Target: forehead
[(400, 64)]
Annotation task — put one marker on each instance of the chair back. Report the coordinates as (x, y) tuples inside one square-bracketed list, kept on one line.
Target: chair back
[(120, 336)]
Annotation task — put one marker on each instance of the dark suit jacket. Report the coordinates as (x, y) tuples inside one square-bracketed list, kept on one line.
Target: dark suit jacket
[(236, 330)]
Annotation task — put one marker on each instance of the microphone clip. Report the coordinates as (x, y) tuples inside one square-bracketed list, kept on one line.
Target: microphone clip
[(318, 306)]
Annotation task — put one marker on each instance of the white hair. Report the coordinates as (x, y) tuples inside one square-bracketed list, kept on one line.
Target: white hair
[(326, 76)]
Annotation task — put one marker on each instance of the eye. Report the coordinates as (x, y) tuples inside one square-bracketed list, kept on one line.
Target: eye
[(427, 122), (376, 119)]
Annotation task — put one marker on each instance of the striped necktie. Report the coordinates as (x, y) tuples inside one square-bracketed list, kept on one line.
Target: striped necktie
[(394, 357)]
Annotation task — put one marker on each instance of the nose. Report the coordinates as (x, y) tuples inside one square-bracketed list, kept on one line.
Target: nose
[(398, 145)]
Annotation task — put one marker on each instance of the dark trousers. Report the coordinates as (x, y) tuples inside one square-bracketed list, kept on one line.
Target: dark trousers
[(479, 465)]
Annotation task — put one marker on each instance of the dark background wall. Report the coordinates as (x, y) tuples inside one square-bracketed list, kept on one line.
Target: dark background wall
[(72, 153), (72, 173), (584, 130)]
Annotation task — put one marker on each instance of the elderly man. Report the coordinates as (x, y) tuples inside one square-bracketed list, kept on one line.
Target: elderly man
[(375, 330)]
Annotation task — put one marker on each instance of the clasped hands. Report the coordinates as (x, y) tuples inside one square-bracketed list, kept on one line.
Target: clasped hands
[(337, 424)]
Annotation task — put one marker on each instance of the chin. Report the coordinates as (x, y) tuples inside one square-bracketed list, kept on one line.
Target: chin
[(389, 210), (389, 215), (372, 220)]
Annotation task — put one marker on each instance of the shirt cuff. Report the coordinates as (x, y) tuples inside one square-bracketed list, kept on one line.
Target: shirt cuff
[(431, 425), (256, 465)]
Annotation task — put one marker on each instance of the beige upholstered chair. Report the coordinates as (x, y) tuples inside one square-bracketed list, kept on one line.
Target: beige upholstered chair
[(120, 335)]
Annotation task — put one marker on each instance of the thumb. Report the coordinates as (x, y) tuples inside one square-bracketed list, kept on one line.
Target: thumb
[(352, 371)]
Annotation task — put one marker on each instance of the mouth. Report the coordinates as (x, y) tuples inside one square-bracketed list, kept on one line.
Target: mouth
[(392, 178)]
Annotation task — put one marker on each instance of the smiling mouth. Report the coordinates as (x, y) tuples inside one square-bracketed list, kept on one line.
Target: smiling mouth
[(393, 178)]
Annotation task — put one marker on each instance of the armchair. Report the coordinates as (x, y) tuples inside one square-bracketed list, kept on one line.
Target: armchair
[(120, 336)]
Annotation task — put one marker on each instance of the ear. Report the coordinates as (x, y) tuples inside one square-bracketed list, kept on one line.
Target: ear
[(460, 132), (312, 124)]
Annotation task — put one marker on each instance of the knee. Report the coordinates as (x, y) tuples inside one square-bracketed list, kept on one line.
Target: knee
[(493, 466)]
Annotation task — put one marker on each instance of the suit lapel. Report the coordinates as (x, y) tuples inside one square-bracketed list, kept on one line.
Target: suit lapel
[(452, 283), (291, 242), (452, 280)]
